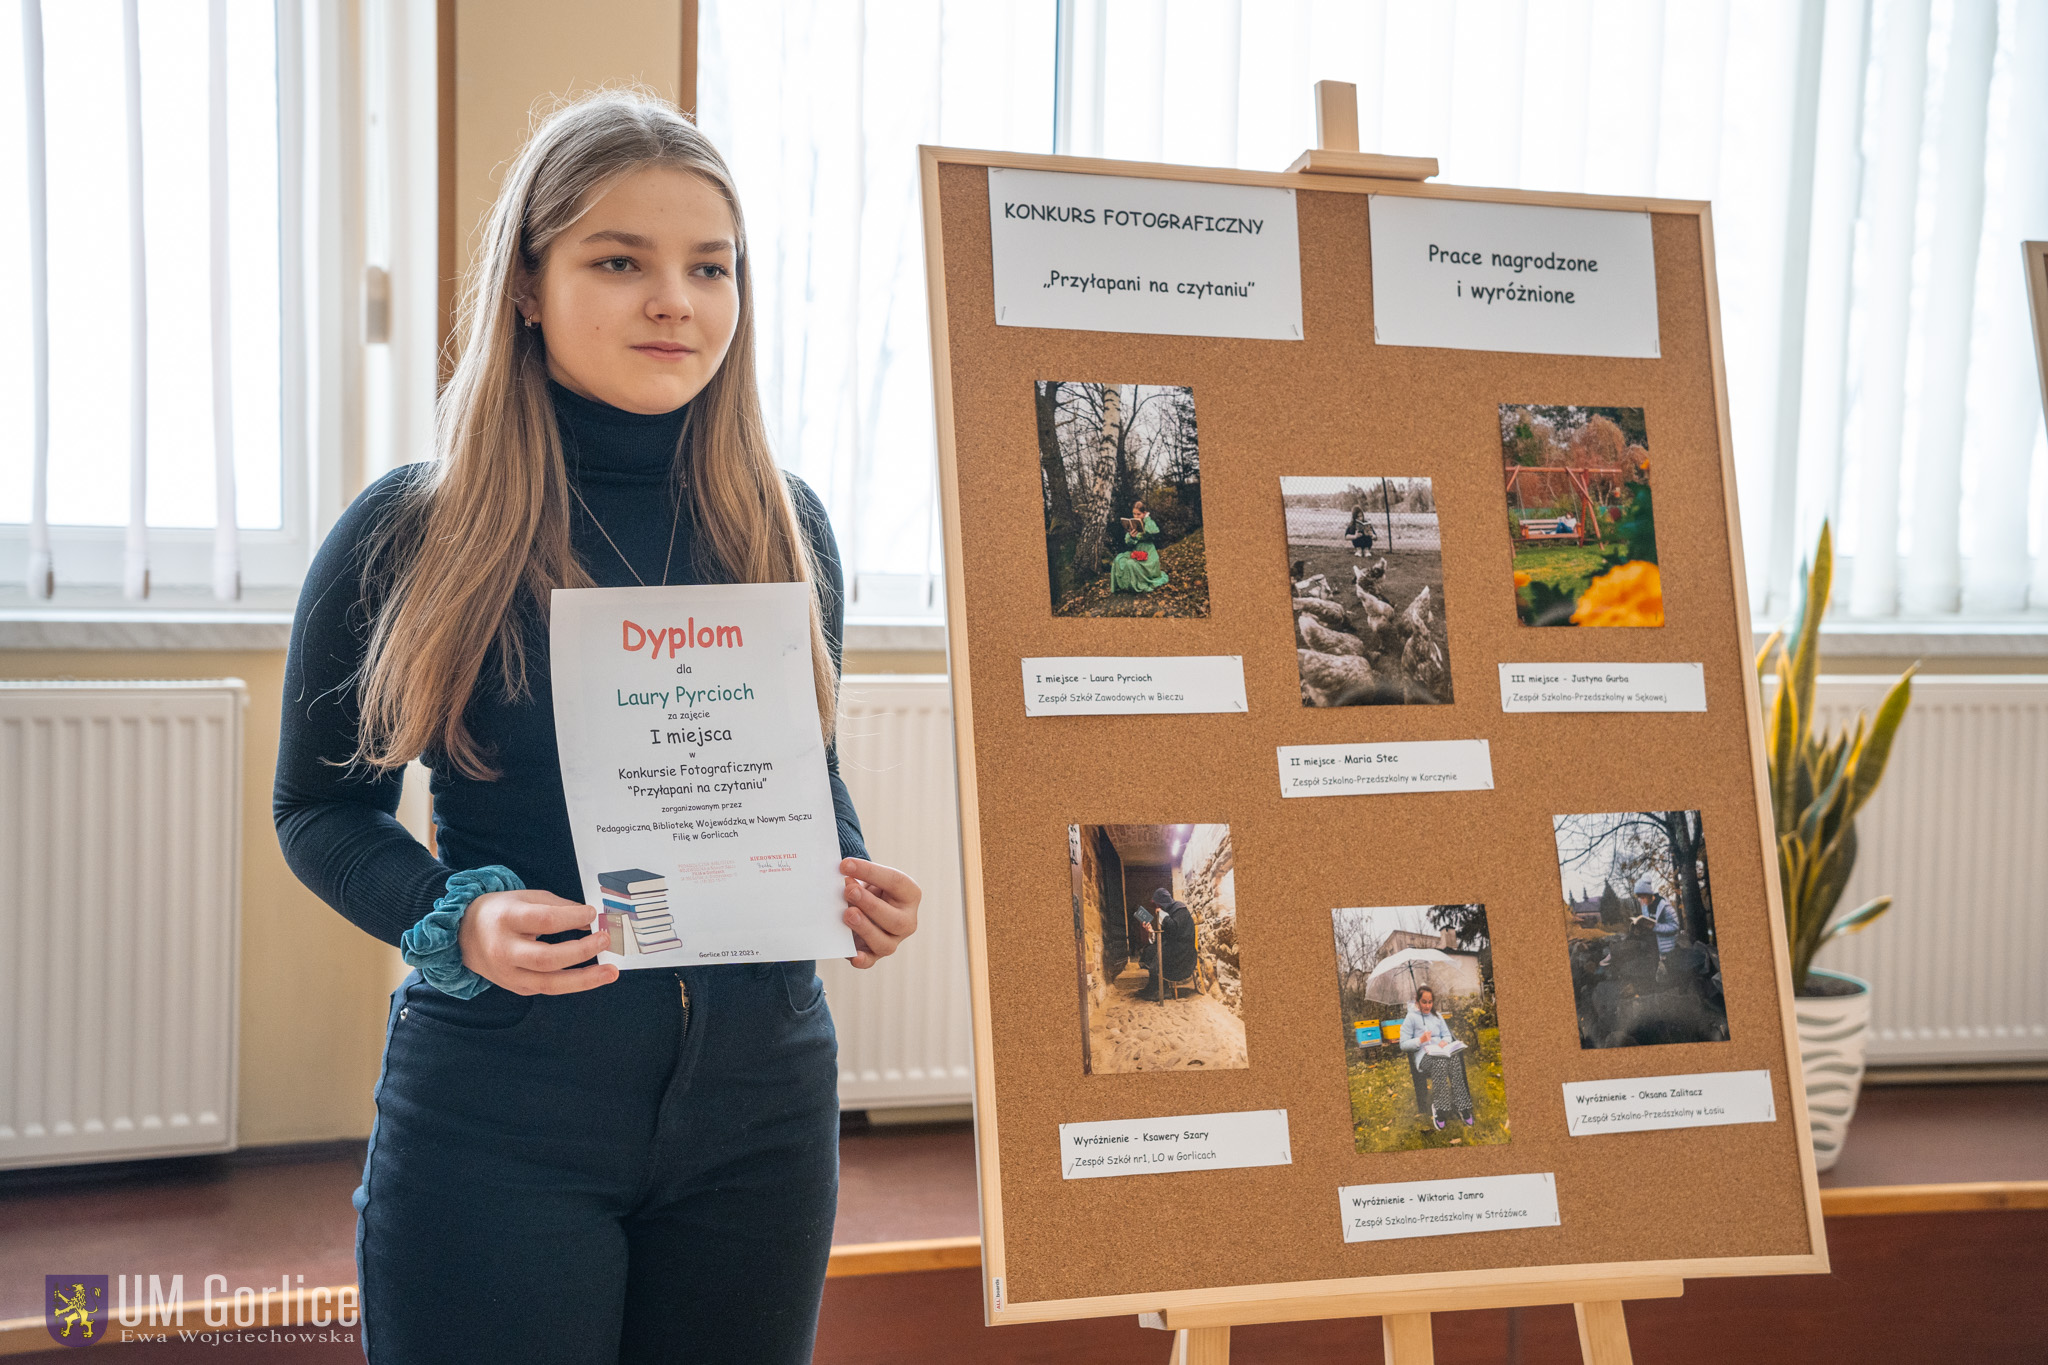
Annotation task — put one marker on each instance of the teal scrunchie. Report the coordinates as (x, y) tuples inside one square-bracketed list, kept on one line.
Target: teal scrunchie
[(434, 946)]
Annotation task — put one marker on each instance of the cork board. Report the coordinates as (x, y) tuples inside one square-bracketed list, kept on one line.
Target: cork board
[(1702, 1201)]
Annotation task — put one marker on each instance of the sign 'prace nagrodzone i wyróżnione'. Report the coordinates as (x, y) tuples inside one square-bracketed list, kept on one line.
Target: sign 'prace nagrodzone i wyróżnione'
[(693, 765), (1536, 278)]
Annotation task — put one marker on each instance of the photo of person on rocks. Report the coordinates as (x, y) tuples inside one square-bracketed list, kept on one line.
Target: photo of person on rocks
[(1155, 933)]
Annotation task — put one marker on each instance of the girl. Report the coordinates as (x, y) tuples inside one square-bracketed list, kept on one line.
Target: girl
[(569, 1163), (1137, 569), (1440, 1082), (1358, 531)]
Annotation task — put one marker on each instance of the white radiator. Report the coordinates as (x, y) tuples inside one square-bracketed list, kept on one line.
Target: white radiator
[(1958, 834), (904, 1028), (120, 896)]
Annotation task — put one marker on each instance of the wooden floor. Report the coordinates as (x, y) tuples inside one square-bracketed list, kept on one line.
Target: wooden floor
[(1906, 1285)]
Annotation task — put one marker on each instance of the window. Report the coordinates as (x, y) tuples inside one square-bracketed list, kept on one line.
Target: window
[(1872, 164), (819, 106), (134, 331)]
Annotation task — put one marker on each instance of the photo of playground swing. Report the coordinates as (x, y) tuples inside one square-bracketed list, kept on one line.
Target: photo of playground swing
[(1421, 1033), (1580, 519), (1120, 476), (1155, 939)]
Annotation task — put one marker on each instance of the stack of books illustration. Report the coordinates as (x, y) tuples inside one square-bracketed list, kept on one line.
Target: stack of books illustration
[(636, 911)]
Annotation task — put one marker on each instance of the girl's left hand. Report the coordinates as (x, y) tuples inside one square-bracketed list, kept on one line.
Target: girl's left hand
[(881, 908)]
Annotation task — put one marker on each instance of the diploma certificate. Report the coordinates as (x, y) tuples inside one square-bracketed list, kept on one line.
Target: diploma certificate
[(694, 768)]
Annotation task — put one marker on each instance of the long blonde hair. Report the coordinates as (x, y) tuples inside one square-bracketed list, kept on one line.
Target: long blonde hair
[(490, 523)]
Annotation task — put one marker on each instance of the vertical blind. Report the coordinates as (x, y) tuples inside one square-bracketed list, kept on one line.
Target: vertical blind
[(819, 106), (1873, 166), (139, 375)]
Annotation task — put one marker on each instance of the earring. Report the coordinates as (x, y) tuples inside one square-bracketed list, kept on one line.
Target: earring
[(532, 323)]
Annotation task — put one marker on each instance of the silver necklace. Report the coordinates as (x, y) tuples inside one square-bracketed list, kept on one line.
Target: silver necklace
[(673, 523)]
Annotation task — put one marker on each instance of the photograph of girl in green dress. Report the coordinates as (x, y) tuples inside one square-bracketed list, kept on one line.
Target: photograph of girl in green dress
[(1120, 471), (1136, 568)]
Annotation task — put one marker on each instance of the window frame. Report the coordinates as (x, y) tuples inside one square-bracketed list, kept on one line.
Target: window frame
[(319, 64)]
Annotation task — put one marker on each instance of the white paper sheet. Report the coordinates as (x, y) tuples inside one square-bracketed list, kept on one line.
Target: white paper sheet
[(1419, 765), (1142, 685), (1602, 687), (1512, 277), (1642, 1104), (1438, 1208), (694, 769), (1113, 253), (1183, 1142)]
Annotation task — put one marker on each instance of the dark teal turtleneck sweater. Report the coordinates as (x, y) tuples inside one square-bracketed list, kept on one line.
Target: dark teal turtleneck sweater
[(339, 833)]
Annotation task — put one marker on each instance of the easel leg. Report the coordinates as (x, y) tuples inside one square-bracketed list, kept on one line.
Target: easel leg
[(1603, 1333), (1406, 1340), (1200, 1346)]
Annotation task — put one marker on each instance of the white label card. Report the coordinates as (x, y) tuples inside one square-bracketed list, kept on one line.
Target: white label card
[(693, 767), (1438, 1208), (1423, 765), (1113, 253), (1646, 1103), (1145, 685), (1603, 687), (1512, 277), (1186, 1142)]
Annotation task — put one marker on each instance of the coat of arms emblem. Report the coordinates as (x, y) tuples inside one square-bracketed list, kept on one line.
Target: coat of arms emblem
[(73, 1306)]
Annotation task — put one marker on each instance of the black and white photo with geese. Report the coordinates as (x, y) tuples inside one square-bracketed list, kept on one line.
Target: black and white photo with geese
[(1366, 585)]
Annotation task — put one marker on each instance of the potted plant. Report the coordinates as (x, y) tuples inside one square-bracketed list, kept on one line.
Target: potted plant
[(1818, 784)]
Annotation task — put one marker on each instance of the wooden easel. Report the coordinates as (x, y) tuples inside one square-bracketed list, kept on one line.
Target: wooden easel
[(1201, 1335)]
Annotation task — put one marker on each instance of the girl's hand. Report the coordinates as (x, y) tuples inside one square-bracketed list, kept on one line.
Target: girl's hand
[(881, 908), (500, 938)]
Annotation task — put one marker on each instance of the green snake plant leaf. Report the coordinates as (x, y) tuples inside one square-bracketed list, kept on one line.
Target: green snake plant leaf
[(1819, 807), (1847, 745), (1813, 605), (1804, 780), (1859, 919), (1763, 658), (1784, 750), (1833, 760), (1826, 874), (1827, 859), (1869, 764), (1791, 873), (1819, 782)]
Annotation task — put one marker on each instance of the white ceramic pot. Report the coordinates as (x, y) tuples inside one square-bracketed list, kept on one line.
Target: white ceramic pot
[(1833, 1032)]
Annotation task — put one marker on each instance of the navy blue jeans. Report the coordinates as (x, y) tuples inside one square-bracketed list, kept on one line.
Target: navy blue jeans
[(607, 1176)]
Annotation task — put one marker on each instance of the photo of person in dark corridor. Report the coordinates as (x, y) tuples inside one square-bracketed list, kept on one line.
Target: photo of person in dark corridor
[(1155, 933)]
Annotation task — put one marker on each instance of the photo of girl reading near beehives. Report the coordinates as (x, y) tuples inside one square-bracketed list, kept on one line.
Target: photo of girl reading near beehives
[(1580, 517), (1121, 475), (1421, 1032)]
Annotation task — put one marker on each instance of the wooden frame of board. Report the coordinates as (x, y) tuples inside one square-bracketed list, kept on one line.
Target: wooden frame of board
[(2034, 257), (1784, 1233)]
